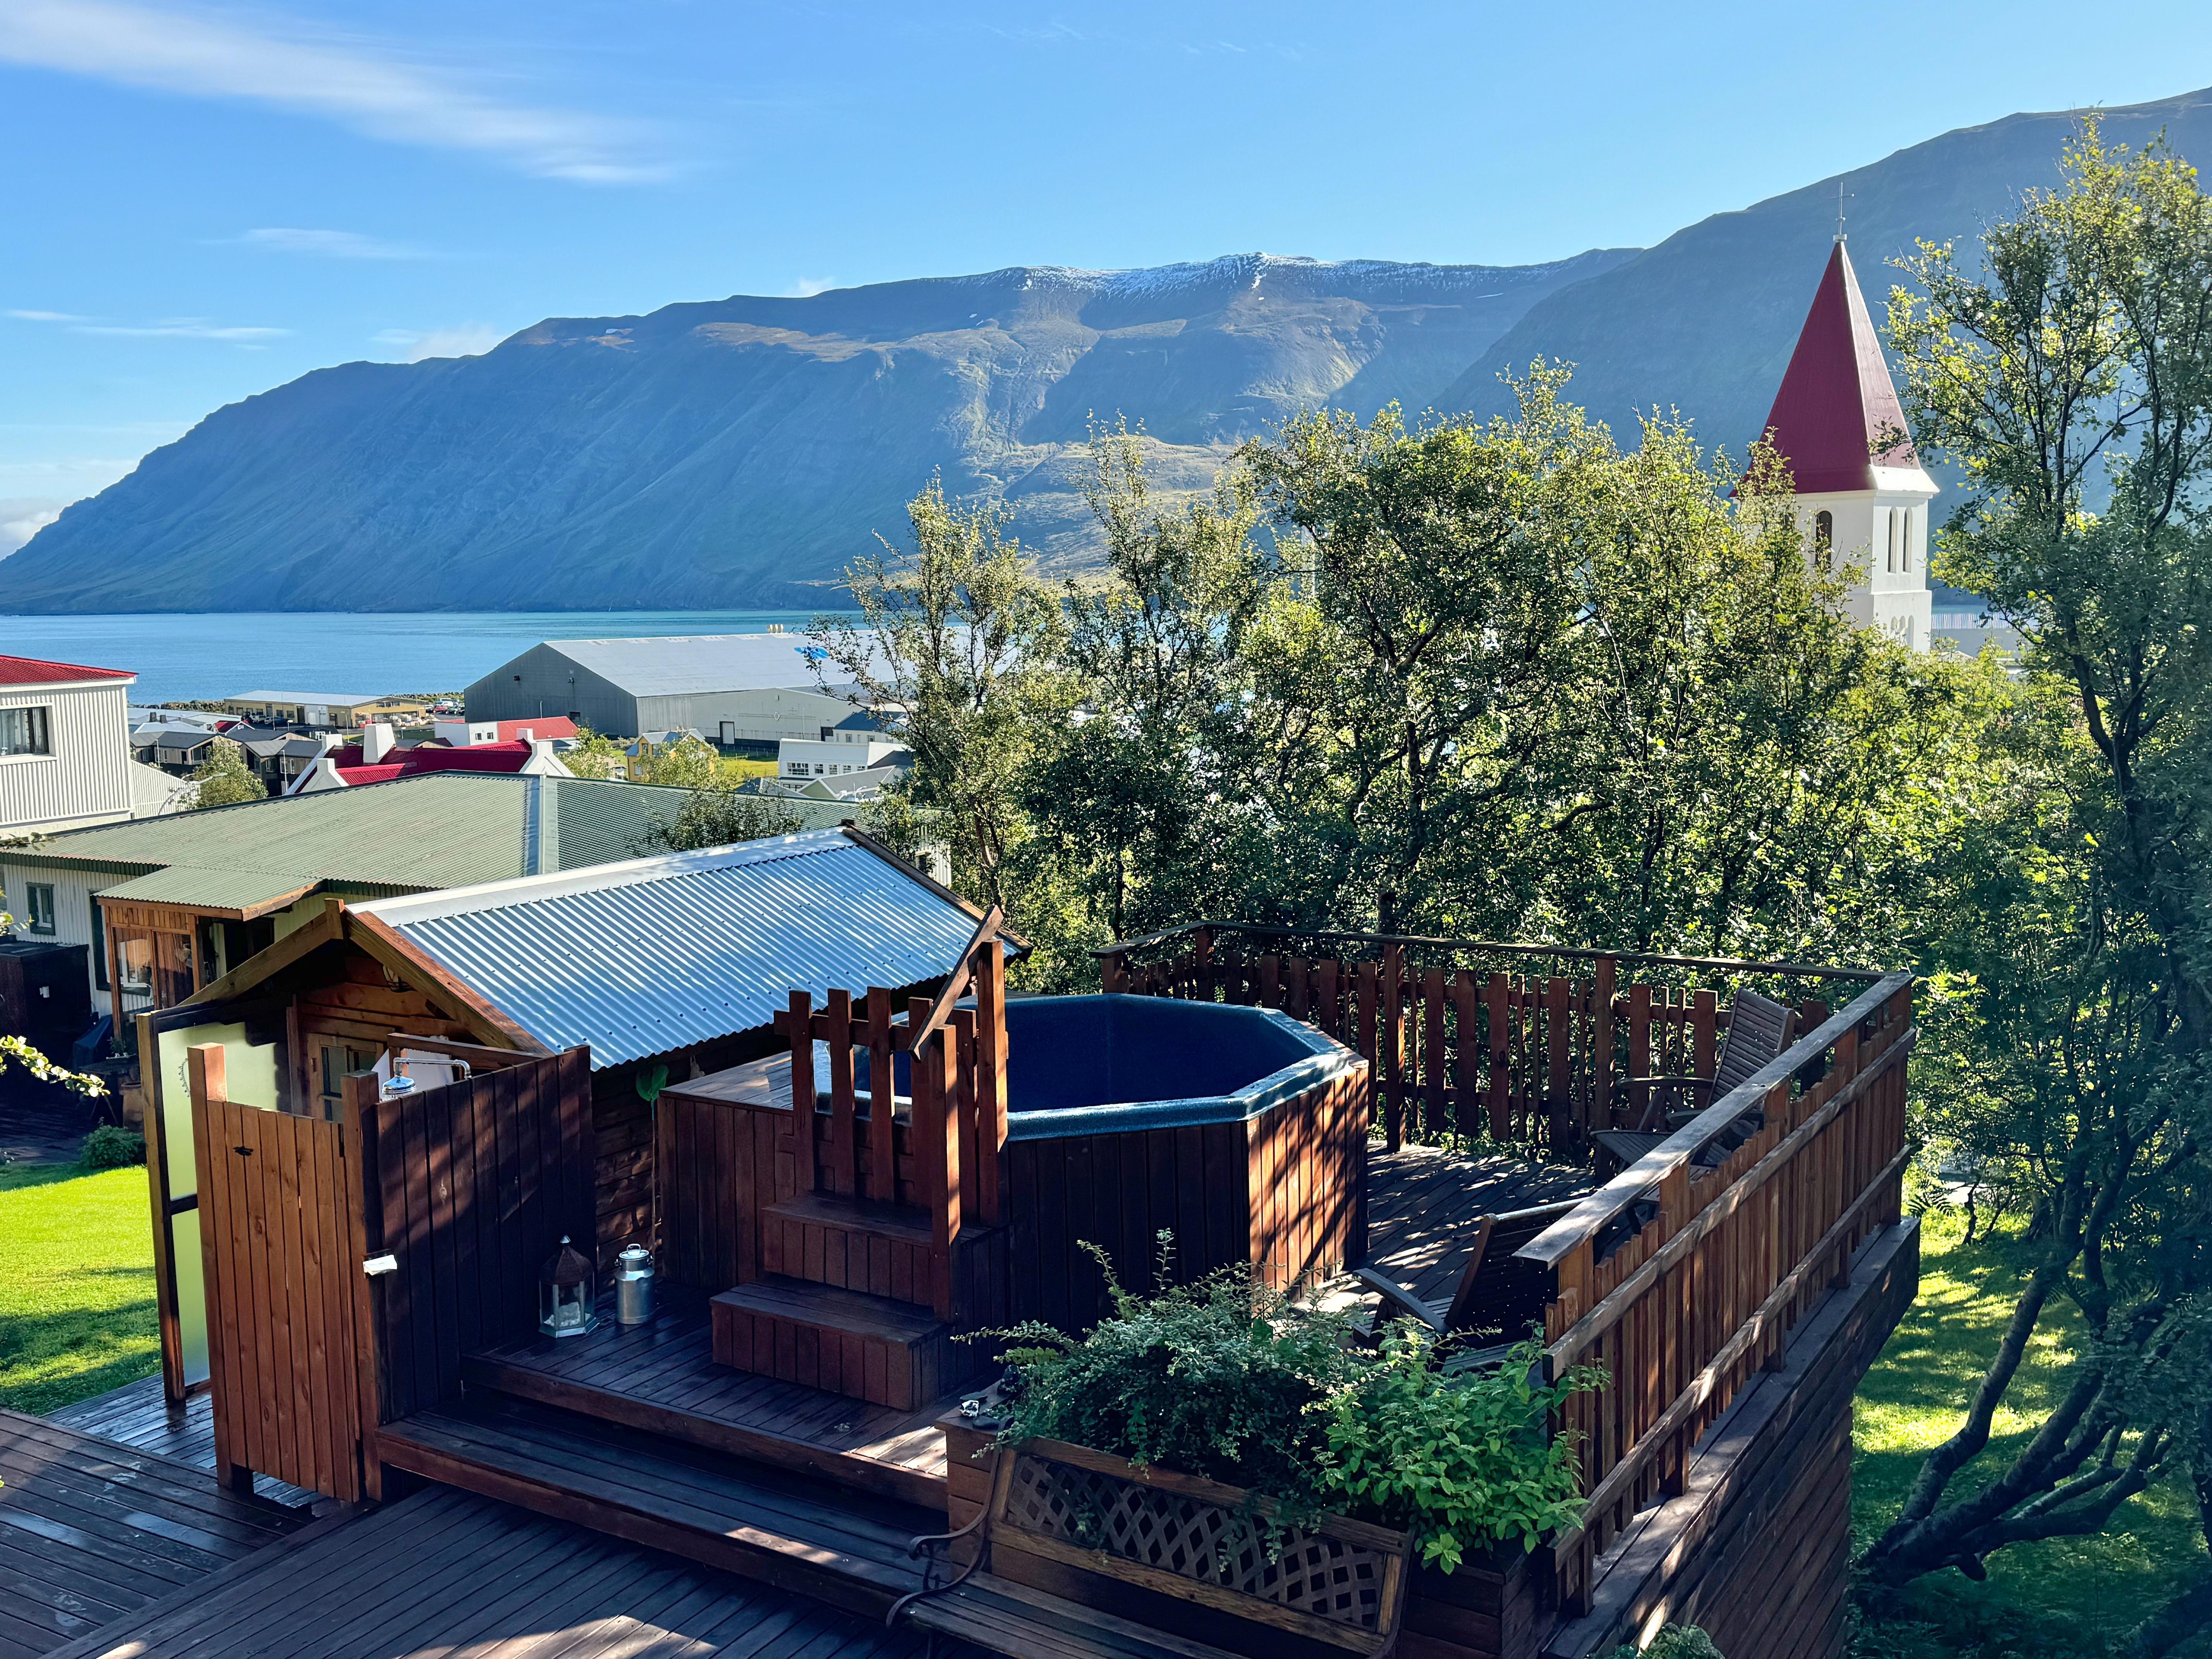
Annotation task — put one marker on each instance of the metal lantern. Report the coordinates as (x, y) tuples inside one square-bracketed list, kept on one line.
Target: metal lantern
[(633, 1285), (565, 1294)]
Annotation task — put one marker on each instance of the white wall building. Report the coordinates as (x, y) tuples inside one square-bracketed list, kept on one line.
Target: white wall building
[(1862, 495), (856, 743), (64, 745)]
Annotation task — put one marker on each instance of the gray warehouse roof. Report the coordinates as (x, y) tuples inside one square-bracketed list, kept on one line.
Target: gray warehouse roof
[(655, 954), (697, 662)]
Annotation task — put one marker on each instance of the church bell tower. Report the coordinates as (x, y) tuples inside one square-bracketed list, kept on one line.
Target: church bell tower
[(1861, 492)]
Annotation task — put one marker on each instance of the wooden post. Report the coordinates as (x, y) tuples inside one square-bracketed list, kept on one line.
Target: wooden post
[(1202, 958), (937, 1152), (967, 1133), (1369, 1046), (1557, 1089), (1113, 974), (1639, 1051), (364, 1200), (991, 1081), (800, 1027), (1467, 1075), (1432, 1050), (1501, 1076), (1602, 995), (1390, 1040), (883, 1089), (207, 1081), (1704, 1016), (837, 1015)]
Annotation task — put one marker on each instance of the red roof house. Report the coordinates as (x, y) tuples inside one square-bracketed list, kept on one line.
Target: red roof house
[(347, 765), (36, 671)]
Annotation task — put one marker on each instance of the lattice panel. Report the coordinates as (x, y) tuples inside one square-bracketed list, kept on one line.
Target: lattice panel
[(1315, 1574)]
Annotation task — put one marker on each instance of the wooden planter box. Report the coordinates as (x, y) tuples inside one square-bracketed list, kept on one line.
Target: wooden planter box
[(1181, 1553), (1492, 1608)]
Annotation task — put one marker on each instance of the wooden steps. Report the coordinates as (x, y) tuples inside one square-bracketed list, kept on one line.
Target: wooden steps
[(1024, 1622), (881, 1250), (850, 1551), (875, 1348)]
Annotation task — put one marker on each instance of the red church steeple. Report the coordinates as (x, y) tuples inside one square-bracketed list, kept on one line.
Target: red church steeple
[(1837, 402)]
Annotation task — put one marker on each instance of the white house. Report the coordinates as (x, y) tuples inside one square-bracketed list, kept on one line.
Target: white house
[(1862, 495), (64, 745), (857, 743)]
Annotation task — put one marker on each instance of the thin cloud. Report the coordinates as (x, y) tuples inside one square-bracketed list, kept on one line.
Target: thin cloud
[(47, 316), (469, 340), (807, 287), (328, 244), (180, 328), (168, 50)]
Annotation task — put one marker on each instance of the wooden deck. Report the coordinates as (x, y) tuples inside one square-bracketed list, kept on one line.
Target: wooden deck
[(138, 1415), (447, 1572), (91, 1532), (1422, 1204), (662, 1378)]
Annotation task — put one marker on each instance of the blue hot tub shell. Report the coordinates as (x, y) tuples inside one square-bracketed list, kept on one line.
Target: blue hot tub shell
[(1110, 1064)]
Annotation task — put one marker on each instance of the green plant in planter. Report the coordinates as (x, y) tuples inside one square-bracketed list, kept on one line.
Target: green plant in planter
[(1464, 1463), (1223, 1379), (1232, 1381)]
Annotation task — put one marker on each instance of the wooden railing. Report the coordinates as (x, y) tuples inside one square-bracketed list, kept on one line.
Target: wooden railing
[(1463, 1043), (957, 1087), (1684, 1275)]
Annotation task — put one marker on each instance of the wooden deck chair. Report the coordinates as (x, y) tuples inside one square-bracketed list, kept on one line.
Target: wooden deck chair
[(1497, 1291), (1758, 1029)]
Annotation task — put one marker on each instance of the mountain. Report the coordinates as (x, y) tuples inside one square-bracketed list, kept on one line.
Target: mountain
[(1704, 321), (742, 452)]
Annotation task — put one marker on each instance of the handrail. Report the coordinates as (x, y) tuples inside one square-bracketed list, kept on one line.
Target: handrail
[(955, 986), (1803, 969), (1553, 1245)]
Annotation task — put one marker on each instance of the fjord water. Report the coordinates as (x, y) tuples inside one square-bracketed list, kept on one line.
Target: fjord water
[(218, 654)]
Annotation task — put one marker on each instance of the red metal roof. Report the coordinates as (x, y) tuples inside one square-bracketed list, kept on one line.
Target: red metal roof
[(475, 757), (545, 725), (1837, 400), (32, 671)]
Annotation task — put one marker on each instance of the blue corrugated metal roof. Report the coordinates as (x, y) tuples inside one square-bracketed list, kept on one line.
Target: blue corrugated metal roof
[(651, 955)]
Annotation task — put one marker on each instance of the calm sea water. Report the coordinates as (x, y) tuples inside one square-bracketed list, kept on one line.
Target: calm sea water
[(225, 655)]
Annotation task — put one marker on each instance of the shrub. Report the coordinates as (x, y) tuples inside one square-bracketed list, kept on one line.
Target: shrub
[(1221, 1379), (1229, 1380), (1463, 1463), (110, 1146)]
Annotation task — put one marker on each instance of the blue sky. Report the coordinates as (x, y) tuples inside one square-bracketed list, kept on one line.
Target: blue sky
[(205, 201)]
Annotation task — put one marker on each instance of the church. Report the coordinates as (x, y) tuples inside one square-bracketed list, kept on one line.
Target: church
[(1862, 495)]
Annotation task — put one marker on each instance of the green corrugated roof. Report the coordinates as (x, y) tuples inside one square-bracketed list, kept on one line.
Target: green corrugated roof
[(216, 889), (443, 829)]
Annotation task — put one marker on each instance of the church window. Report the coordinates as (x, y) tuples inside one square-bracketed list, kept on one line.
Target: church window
[(1892, 528), (1905, 542), (1824, 532)]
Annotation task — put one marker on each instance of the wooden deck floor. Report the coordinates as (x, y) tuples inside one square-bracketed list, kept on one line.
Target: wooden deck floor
[(138, 1415), (91, 1531), (1422, 1203), (446, 1571), (662, 1376)]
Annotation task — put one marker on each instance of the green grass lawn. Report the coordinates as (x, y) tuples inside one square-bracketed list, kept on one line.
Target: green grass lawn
[(2067, 1596), (76, 1285)]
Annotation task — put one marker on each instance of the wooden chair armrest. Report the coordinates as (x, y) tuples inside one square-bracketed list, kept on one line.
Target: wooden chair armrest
[(1397, 1298), (1653, 1082)]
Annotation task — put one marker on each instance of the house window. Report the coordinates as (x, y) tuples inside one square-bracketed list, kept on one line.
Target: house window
[(38, 899), (1824, 532), (26, 731)]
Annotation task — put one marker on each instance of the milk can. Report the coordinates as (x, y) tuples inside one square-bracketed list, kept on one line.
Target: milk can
[(633, 1285)]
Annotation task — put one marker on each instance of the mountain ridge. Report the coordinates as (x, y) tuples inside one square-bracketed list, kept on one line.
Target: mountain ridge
[(740, 451)]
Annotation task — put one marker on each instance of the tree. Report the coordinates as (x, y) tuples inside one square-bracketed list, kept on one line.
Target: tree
[(224, 779), (2069, 375), (717, 816), (957, 649)]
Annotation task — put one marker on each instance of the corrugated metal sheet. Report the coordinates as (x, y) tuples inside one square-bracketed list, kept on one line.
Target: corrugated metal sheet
[(700, 662), (440, 829), (215, 890), (655, 954)]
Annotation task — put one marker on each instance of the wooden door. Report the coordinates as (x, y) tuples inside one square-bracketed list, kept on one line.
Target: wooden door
[(280, 1239)]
